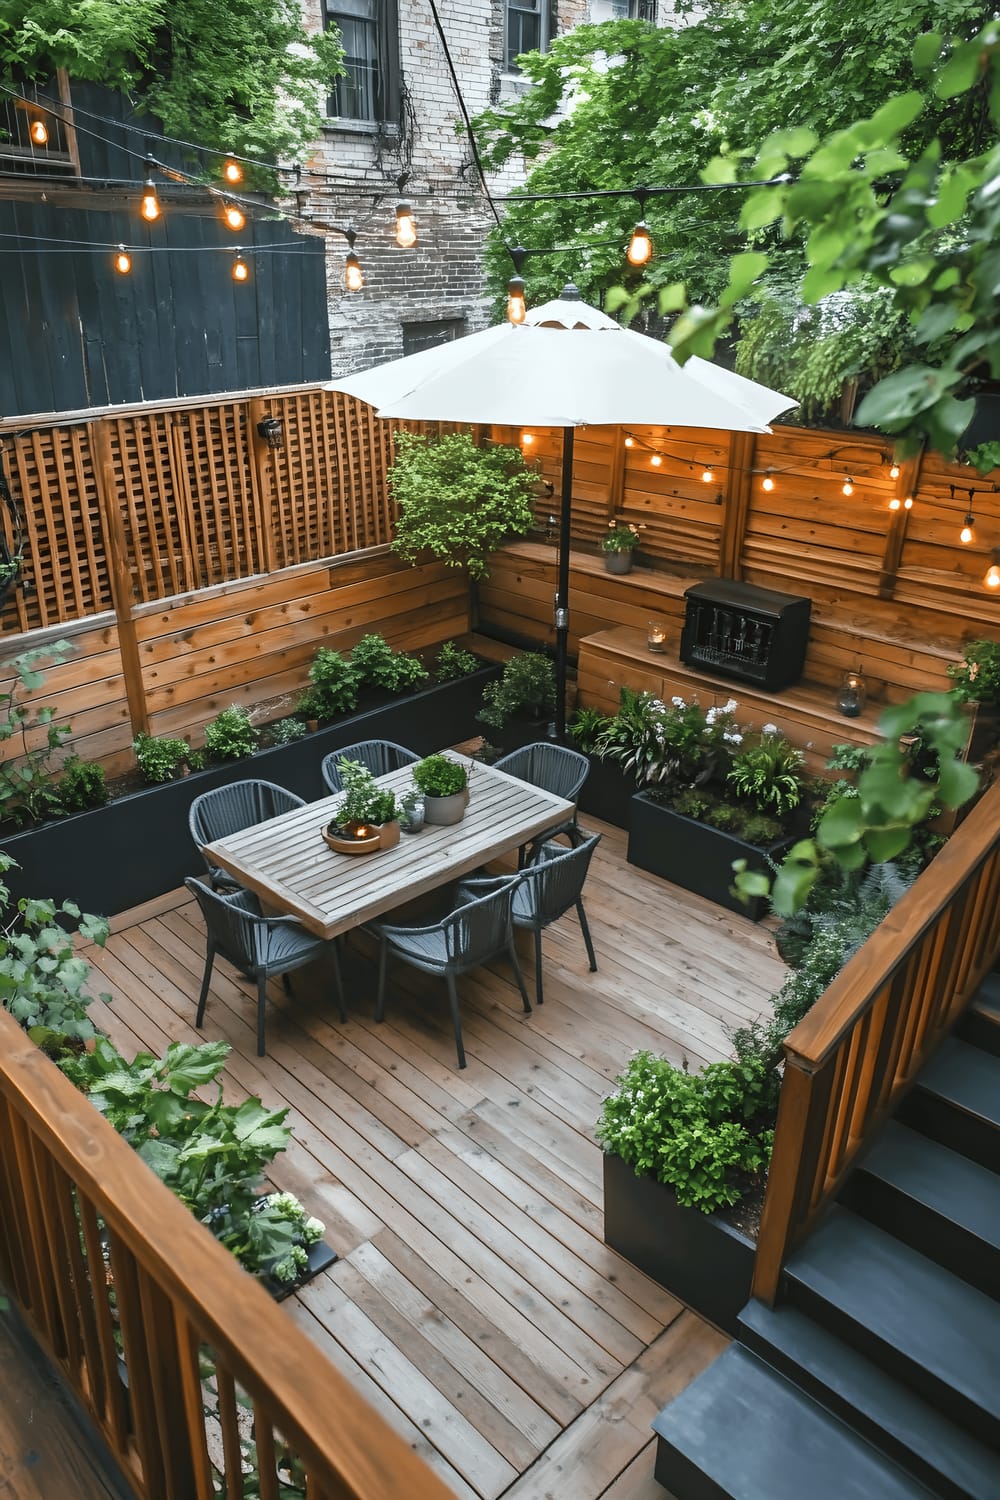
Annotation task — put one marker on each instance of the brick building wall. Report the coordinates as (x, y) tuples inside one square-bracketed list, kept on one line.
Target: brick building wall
[(438, 285)]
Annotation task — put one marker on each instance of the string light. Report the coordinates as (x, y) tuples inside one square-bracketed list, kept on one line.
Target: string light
[(992, 579), (241, 271), (527, 438), (353, 276), (630, 442), (656, 460), (847, 488), (895, 503), (231, 169), (967, 534), (894, 471), (517, 308), (234, 216), (640, 246), (406, 226), (707, 476), (908, 503), (767, 483), (39, 132), (150, 206), (123, 261)]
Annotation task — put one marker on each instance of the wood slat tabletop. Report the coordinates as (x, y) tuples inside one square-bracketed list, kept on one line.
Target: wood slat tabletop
[(287, 863)]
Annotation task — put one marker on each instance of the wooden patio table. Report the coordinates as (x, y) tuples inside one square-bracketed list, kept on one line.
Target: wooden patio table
[(287, 864)]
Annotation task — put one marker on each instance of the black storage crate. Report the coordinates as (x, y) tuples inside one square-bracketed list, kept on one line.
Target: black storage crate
[(739, 630)]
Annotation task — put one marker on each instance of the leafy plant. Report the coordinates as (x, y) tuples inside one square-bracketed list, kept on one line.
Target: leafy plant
[(437, 776), (334, 687), (977, 675), (527, 686), (457, 501), (364, 801), (82, 785), (586, 726), (377, 664), (670, 745), (230, 735), (621, 536), (703, 1134), (160, 759), (28, 792), (770, 772), (452, 662), (285, 731)]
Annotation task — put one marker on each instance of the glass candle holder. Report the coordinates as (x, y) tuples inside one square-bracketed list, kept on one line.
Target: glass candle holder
[(656, 636), (852, 695)]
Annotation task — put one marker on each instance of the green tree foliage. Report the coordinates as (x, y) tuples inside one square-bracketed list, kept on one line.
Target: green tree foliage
[(244, 77)]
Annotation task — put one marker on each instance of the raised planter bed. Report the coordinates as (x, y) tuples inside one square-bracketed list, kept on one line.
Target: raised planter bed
[(139, 847), (694, 855), (700, 1258), (607, 792)]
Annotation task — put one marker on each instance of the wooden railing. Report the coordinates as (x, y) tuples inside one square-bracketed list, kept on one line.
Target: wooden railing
[(199, 1383), (863, 1043)]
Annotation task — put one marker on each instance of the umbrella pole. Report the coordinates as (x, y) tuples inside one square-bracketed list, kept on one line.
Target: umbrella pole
[(562, 586)]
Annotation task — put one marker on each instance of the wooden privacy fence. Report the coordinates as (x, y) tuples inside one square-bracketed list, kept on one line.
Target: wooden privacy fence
[(868, 1036), (119, 1280)]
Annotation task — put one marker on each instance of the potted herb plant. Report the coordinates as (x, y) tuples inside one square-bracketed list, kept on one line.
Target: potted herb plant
[(445, 787), (368, 816), (618, 545), (160, 759), (526, 689)]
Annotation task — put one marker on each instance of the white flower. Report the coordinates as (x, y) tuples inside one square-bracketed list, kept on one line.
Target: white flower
[(770, 729), (678, 702), (733, 737), (730, 707), (711, 715)]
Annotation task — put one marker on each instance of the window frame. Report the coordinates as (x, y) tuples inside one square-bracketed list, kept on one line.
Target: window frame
[(546, 29), (387, 80)]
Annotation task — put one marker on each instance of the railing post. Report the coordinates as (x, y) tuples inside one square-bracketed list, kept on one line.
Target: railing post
[(784, 1179), (119, 573)]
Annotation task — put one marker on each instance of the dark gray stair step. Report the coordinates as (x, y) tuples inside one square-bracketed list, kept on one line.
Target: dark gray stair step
[(741, 1431), (881, 1409), (910, 1316), (980, 1025), (938, 1201), (957, 1101)]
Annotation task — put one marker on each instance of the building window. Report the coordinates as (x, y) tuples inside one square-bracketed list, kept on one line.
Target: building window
[(369, 32), (417, 336), (528, 29)]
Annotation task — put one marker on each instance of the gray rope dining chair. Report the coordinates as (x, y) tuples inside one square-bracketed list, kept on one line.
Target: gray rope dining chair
[(228, 809), (548, 886), (377, 756), (471, 935), (555, 769), (261, 948)]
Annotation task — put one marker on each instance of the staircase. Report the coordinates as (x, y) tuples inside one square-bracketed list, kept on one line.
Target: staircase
[(877, 1374)]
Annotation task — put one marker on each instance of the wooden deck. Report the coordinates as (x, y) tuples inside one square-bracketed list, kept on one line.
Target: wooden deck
[(474, 1301)]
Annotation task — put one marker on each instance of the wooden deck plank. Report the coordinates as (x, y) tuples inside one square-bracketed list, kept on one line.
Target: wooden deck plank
[(474, 1301)]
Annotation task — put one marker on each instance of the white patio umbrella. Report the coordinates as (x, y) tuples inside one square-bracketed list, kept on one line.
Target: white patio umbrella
[(568, 365)]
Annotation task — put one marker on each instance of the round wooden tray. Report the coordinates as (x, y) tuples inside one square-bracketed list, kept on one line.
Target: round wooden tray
[(381, 836)]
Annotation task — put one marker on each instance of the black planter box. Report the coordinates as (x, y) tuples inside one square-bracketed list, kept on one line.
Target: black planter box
[(698, 1257), (694, 855), (607, 792), (139, 847)]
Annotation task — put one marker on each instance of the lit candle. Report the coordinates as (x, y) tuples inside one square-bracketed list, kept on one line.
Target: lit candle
[(362, 831), (656, 636)]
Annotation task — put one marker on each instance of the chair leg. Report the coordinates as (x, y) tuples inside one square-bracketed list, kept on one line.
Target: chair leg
[(206, 981), (261, 1008), (456, 1019), (585, 929), (286, 984), (339, 978), (515, 964), (383, 955), (539, 997)]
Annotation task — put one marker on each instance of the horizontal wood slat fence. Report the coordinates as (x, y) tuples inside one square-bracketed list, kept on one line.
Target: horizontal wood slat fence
[(117, 1278), (867, 1037)]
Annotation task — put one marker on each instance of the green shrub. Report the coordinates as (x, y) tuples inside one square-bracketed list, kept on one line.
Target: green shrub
[(586, 726), (285, 731), (977, 675), (378, 665), (703, 1134), (82, 785), (231, 736), (28, 792), (451, 662), (437, 776), (334, 687), (769, 773), (160, 759), (528, 686)]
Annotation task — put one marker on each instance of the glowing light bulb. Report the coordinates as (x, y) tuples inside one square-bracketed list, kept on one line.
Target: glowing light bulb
[(150, 206), (406, 227), (640, 246), (39, 132), (908, 503), (847, 488), (707, 476), (630, 442), (241, 271), (656, 460), (231, 169), (767, 483), (516, 308), (123, 261), (527, 438), (967, 534), (353, 276), (895, 503), (894, 471), (992, 579), (234, 216)]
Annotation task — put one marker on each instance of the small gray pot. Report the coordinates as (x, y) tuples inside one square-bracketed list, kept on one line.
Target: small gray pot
[(446, 810), (618, 562)]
